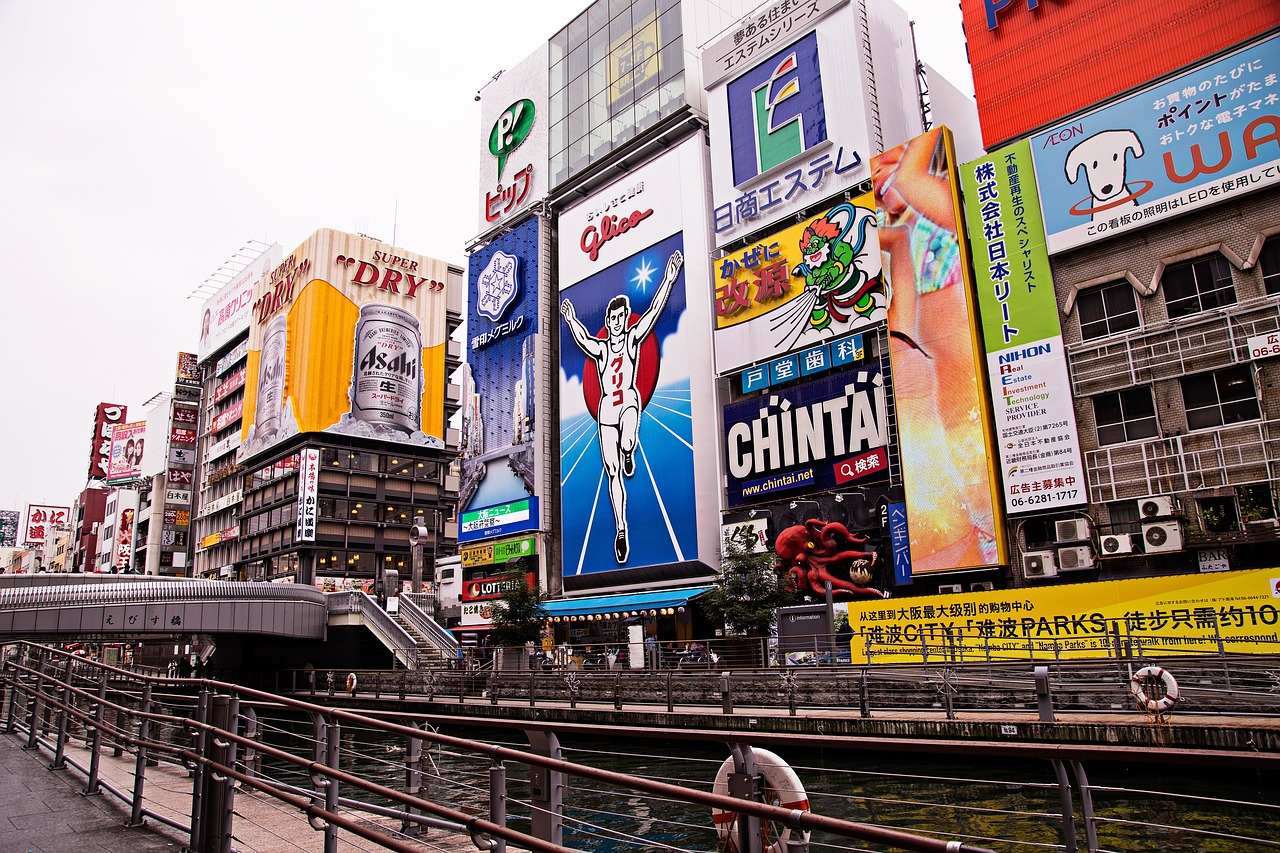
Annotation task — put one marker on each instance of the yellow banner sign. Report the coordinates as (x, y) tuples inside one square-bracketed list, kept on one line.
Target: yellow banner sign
[(1234, 611)]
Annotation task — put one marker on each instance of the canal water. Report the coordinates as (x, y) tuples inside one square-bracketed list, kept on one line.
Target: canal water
[(1000, 804)]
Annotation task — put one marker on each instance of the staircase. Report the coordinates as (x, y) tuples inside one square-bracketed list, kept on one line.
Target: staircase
[(436, 645)]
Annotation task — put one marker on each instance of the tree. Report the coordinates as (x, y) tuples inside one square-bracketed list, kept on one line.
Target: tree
[(749, 590), (518, 616)]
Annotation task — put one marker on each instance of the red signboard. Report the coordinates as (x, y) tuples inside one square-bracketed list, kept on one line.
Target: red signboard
[(108, 415), (178, 435), (1037, 62), (41, 520), (483, 588)]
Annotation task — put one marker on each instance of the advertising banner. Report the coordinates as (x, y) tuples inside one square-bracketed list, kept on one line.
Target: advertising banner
[(951, 489), (1035, 419), (1016, 45), (41, 520), (233, 356), (10, 521), (1202, 138), (787, 117), (498, 552), (513, 129), (232, 383), (808, 283), (500, 394), (108, 416), (308, 495), (480, 589), (1188, 613), (127, 512), (188, 372), (809, 438), (629, 396), (226, 313), (498, 520), (347, 337)]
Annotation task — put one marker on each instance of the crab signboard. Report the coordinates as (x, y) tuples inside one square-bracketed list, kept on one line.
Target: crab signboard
[(800, 286), (1208, 136)]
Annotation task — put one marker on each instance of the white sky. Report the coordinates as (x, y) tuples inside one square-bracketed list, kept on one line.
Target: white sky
[(142, 143)]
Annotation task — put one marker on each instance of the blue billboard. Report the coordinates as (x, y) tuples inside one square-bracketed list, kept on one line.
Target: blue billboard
[(499, 425)]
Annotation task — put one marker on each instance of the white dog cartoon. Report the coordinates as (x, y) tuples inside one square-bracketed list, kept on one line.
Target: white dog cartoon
[(1104, 158)]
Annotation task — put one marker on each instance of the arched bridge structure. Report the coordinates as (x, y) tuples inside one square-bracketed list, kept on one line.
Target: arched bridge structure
[(79, 606)]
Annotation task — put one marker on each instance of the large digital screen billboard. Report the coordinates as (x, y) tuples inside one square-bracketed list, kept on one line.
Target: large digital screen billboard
[(634, 374), (348, 337), (952, 494), (500, 428), (1208, 136), (807, 283)]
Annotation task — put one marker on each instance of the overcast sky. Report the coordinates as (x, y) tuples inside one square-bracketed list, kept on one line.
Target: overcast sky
[(143, 143)]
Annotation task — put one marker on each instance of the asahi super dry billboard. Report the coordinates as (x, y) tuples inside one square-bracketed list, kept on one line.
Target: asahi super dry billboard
[(347, 336)]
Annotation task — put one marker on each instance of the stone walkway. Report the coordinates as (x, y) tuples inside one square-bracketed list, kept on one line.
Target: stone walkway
[(44, 812)]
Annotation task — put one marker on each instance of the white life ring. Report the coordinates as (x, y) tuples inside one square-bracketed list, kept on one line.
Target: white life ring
[(782, 788), (1155, 706)]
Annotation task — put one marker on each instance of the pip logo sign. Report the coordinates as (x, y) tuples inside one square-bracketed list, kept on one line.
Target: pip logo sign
[(776, 110)]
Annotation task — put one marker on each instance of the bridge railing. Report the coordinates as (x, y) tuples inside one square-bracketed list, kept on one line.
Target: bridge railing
[(439, 636), (58, 702), (394, 637)]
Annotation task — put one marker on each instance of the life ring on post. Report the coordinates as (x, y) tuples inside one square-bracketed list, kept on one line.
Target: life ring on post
[(1155, 706), (782, 788)]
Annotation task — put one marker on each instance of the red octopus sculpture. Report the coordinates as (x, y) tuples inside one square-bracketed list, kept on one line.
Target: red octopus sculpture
[(819, 551)]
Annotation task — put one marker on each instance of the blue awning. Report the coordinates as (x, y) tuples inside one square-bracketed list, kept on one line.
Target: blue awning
[(627, 601)]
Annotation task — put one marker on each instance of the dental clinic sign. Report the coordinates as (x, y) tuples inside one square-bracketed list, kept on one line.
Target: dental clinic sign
[(1208, 136), (819, 435)]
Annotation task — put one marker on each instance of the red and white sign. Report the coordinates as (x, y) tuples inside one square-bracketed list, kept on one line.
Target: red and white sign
[(481, 589), (227, 312), (232, 383), (308, 495), (187, 415), (180, 476), (41, 519), (178, 435), (228, 416), (1264, 346), (108, 415)]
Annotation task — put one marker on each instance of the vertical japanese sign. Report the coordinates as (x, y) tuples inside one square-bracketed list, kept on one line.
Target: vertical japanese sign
[(943, 412), (108, 415), (1026, 364), (41, 520), (308, 494)]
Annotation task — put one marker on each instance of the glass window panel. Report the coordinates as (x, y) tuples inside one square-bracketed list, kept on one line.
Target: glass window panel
[(1111, 434), (557, 77), (619, 7), (1235, 383), (664, 5), (671, 95), (598, 47), (1137, 403), (598, 15), (647, 110), (1240, 410), (578, 61), (1141, 428), (578, 92), (559, 137), (671, 59), (1199, 391), (559, 46), (577, 31), (598, 79), (559, 165), (1269, 260), (619, 28)]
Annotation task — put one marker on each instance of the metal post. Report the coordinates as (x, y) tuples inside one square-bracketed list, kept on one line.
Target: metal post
[(218, 797), (1043, 698), (498, 802), (745, 783), (413, 781), (546, 790), (95, 742), (532, 686), (670, 698), (11, 679), (200, 781), (251, 758), (1068, 808), (726, 697), (864, 695), (1086, 804), (64, 718), (140, 765), (415, 552), (38, 691), (333, 740)]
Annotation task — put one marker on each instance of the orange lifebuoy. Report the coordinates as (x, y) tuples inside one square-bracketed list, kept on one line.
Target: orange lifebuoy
[(782, 788), (1155, 706)]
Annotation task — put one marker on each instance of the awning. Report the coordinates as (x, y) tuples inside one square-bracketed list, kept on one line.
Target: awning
[(627, 602)]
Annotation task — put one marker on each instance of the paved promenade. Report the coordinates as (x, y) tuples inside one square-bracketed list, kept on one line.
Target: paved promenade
[(44, 812)]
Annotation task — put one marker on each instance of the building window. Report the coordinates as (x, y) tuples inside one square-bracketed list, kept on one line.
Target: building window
[(1198, 286), (1126, 415), (1222, 397), (1125, 517), (1269, 260), (1107, 310)]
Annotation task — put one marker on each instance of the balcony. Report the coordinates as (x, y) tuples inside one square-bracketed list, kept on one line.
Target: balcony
[(1171, 349), (1241, 453)]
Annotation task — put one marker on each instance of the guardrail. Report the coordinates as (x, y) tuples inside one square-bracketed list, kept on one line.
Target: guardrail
[(213, 729), (394, 637), (440, 637)]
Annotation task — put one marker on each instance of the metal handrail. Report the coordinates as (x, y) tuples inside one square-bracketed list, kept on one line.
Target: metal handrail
[(394, 636), (440, 637), (144, 592)]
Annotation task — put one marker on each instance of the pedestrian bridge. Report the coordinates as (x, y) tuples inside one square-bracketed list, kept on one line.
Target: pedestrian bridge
[(78, 606)]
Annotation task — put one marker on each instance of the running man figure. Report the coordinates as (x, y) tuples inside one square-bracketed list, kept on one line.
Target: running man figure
[(618, 415)]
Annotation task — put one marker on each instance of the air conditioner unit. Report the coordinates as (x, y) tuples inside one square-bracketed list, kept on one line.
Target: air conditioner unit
[(1076, 557), (1156, 506), (1119, 543), (950, 589), (1039, 564), (1072, 529), (1161, 536), (984, 586)]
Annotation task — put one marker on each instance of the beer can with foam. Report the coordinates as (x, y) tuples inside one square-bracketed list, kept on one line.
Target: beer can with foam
[(271, 377), (386, 375)]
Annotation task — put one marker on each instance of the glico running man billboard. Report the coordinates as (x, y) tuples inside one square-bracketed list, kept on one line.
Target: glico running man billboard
[(630, 390), (953, 510), (348, 336), (813, 437), (500, 393)]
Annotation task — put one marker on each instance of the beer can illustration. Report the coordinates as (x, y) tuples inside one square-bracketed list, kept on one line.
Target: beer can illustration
[(271, 377), (386, 374)]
